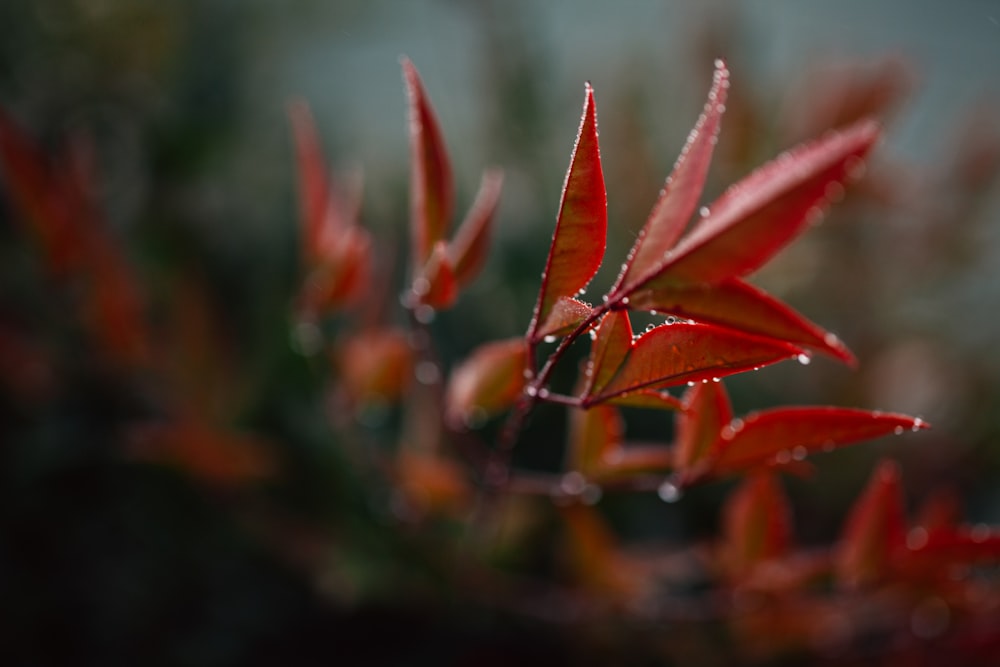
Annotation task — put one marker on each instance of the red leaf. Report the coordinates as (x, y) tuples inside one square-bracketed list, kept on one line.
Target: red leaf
[(436, 286), (431, 188), (566, 315), (341, 275), (759, 215), (611, 346), (770, 436), (684, 352), (489, 381), (469, 249), (42, 198), (756, 524), (315, 194), (706, 412), (680, 194), (595, 557), (875, 529), (581, 228), (736, 304)]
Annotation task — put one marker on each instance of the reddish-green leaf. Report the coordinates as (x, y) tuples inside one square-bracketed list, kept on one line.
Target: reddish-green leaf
[(738, 305), (469, 248), (686, 352), (489, 381), (593, 435), (756, 524), (698, 427), (783, 434), (759, 215), (581, 228), (432, 192), (566, 315), (681, 192), (875, 529), (647, 398), (611, 346)]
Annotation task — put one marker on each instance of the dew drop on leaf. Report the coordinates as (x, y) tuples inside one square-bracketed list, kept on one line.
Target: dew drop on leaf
[(427, 372), (531, 390), (898, 430), (799, 453), (549, 339), (704, 211), (782, 457), (668, 492), (804, 358), (572, 483)]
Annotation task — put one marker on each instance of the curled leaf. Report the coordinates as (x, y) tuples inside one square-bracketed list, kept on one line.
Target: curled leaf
[(488, 382), (581, 229)]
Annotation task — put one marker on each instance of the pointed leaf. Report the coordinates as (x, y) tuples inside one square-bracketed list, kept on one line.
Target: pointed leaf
[(566, 315), (756, 524), (874, 531), (340, 276), (770, 436), (685, 352), (581, 228), (706, 412), (470, 247), (488, 382), (610, 347), (759, 215), (679, 197), (738, 305), (431, 187)]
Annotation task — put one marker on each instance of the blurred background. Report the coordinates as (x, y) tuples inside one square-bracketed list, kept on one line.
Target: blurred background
[(109, 557)]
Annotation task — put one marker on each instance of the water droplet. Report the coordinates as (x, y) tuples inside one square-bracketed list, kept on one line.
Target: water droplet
[(427, 372), (531, 390), (719, 65), (550, 339), (804, 358), (421, 286), (834, 192), (721, 109), (690, 383), (670, 320), (593, 334), (650, 327), (918, 423), (831, 339), (782, 457), (704, 211), (528, 374), (668, 492), (916, 538), (653, 313), (625, 301), (572, 483), (424, 314), (544, 393), (716, 379), (799, 453), (727, 432), (737, 425)]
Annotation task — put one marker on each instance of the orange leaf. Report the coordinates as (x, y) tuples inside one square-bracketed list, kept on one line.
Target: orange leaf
[(489, 381)]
